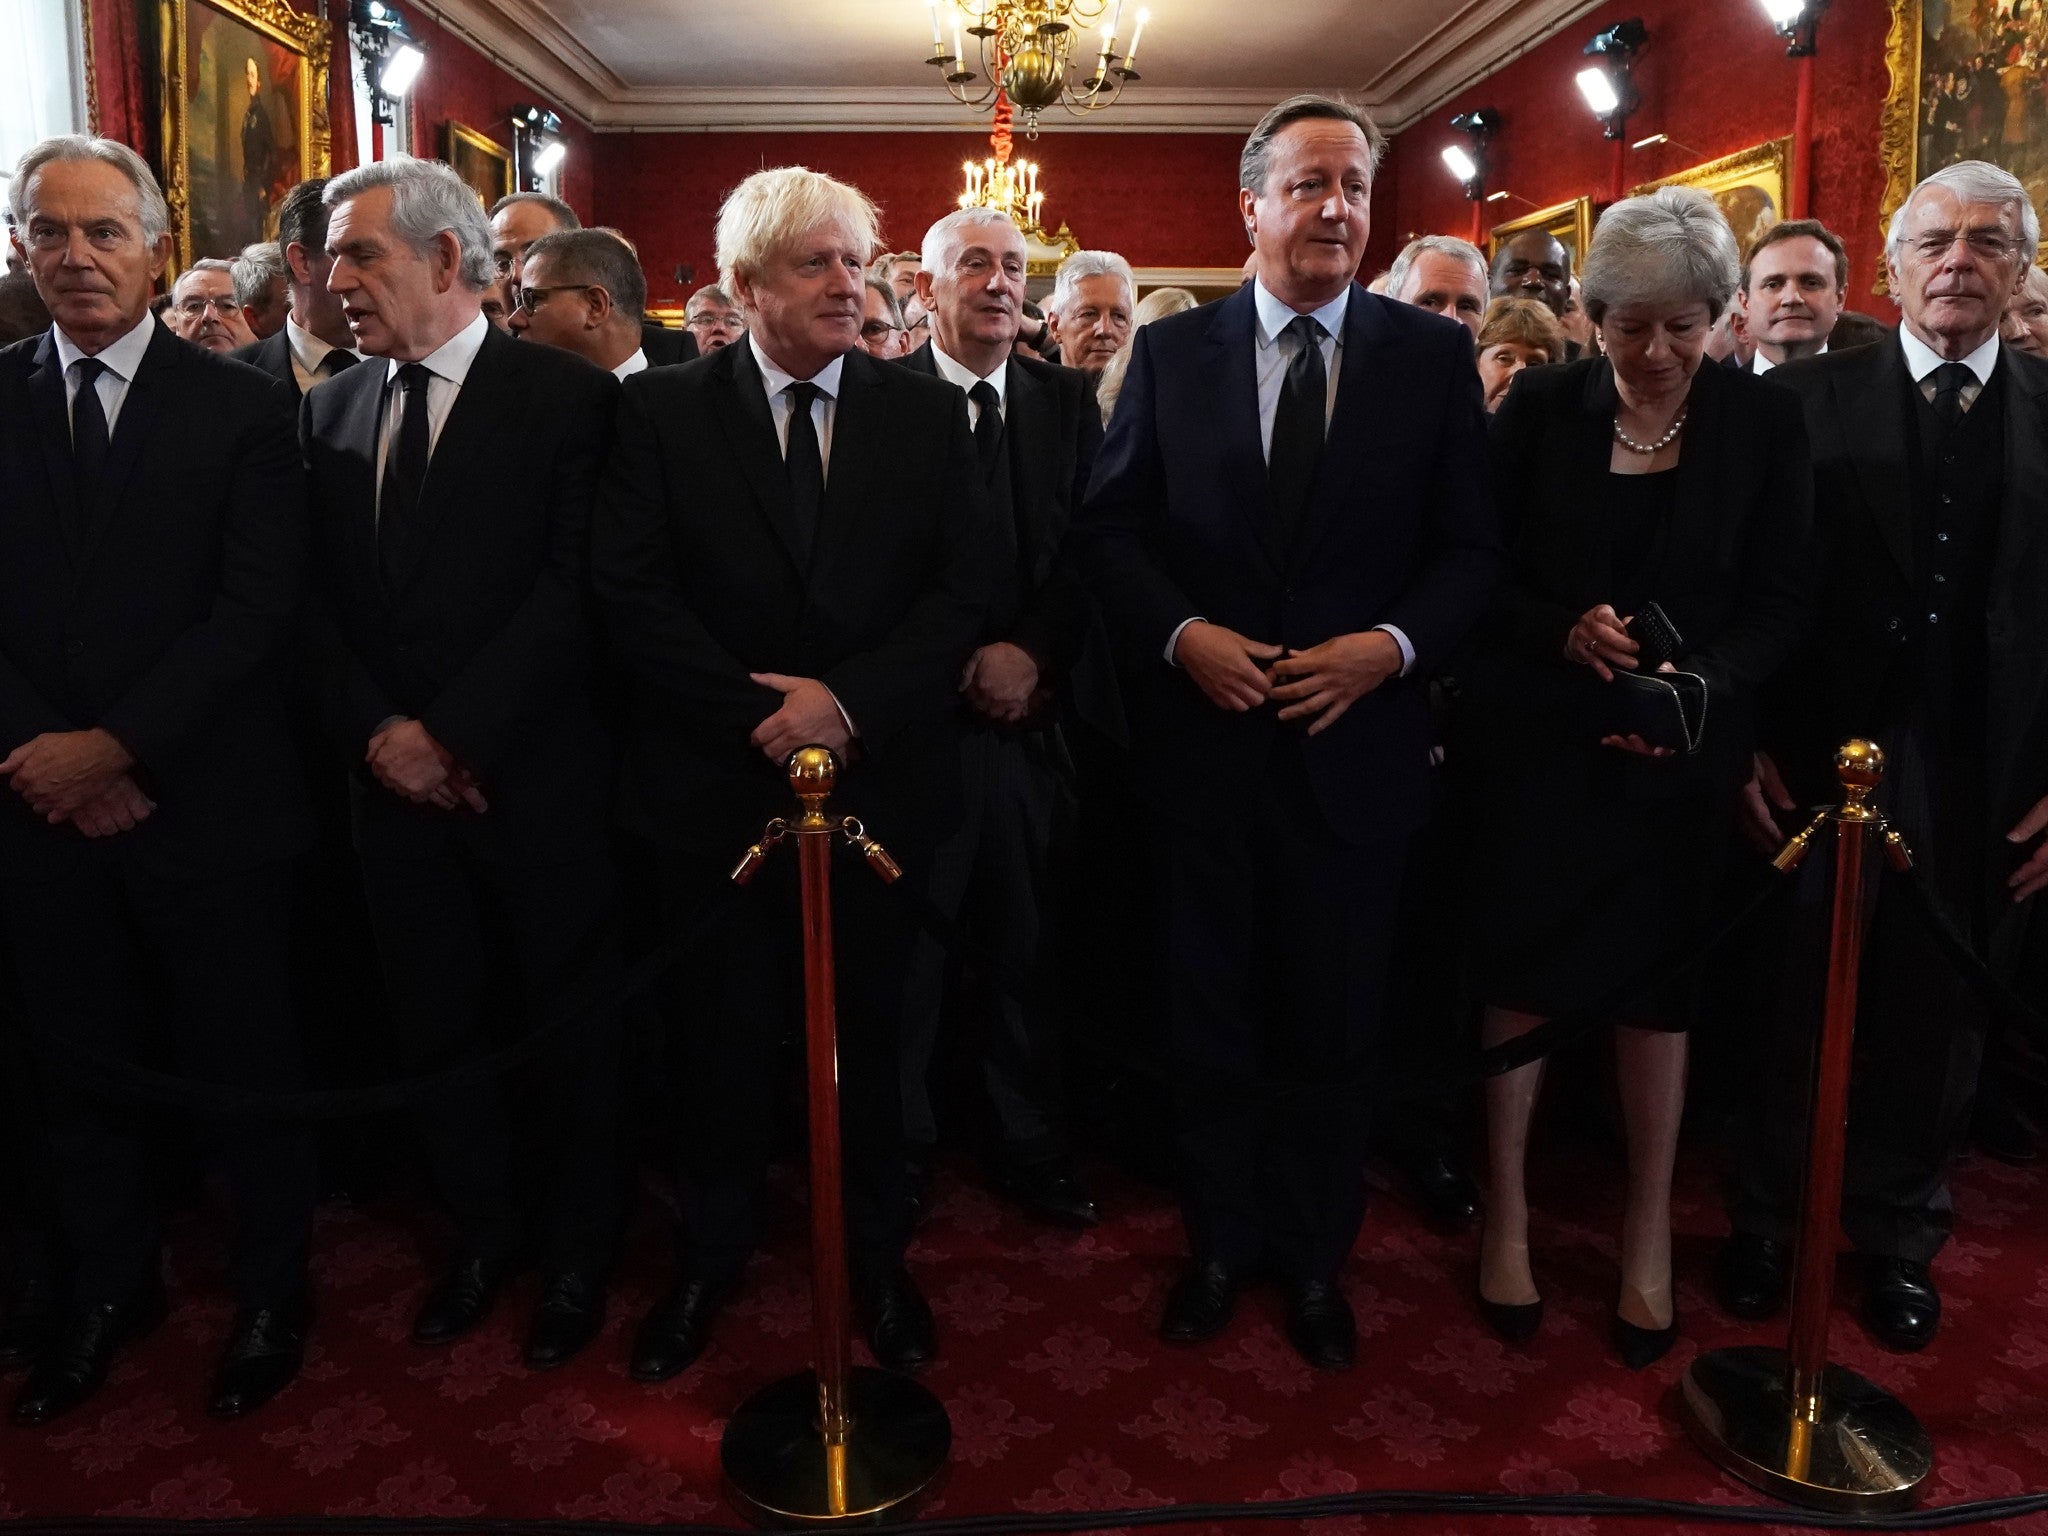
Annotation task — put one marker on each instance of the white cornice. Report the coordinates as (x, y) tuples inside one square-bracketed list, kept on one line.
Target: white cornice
[(527, 41)]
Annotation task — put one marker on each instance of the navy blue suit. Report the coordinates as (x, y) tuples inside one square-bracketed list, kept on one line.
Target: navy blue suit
[(1283, 850)]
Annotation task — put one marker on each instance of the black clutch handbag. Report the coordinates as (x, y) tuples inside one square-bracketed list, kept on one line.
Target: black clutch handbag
[(1666, 709)]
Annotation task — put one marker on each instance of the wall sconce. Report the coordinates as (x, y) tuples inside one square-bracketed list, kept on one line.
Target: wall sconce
[(1795, 21), (1606, 84), (391, 60), (1469, 165), (537, 145)]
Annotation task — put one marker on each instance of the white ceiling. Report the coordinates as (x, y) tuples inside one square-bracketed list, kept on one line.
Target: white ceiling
[(858, 64)]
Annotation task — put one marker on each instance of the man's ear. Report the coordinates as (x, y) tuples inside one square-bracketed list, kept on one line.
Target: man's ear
[(923, 283), (598, 306)]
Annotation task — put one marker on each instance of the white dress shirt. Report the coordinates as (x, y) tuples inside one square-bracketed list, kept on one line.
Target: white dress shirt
[(1761, 364), (309, 354), (637, 363), (822, 409), (121, 358), (1270, 362), (954, 371), (448, 366), (1922, 360)]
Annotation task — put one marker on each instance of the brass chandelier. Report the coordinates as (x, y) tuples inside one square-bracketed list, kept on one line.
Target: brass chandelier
[(1026, 49)]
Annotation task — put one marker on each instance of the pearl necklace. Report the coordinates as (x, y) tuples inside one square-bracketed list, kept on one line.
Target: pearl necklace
[(1663, 442)]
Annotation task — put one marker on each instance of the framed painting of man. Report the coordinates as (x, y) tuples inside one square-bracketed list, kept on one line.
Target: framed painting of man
[(244, 117), (483, 164)]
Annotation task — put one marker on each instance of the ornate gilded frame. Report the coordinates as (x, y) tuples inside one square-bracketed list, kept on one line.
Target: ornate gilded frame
[(457, 137), (1760, 163), (1898, 134), (1571, 222), (307, 36)]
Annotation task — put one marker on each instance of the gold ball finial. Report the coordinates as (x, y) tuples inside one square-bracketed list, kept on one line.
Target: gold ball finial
[(1859, 764), (813, 771)]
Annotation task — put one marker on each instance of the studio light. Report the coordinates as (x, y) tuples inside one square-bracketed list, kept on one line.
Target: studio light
[(1605, 83), (391, 60), (400, 70), (548, 156), (538, 146), (1598, 91), (1462, 165), (1795, 20), (1469, 164)]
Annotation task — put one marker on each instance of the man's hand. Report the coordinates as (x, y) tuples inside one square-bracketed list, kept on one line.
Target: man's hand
[(121, 807), (2031, 876), (407, 760), (999, 681), (60, 771), (809, 717), (1325, 680), (1765, 789), (1600, 641), (1226, 666)]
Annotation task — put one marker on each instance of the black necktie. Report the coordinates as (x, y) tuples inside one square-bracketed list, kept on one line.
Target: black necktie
[(405, 472), (988, 427), (1298, 427), (1949, 380), (805, 466), (88, 445)]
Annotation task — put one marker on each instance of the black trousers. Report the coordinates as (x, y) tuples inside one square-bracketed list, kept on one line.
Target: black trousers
[(447, 928), (738, 1022), (992, 876), (1278, 943), (96, 949)]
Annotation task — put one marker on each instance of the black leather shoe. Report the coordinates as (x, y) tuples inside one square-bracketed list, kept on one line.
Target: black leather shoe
[(1051, 1192), (897, 1321), (32, 1309), (1200, 1304), (263, 1356), (1640, 1347), (1442, 1191), (461, 1301), (1513, 1322), (1320, 1325), (568, 1316), (74, 1362), (674, 1333), (1900, 1304), (1752, 1275)]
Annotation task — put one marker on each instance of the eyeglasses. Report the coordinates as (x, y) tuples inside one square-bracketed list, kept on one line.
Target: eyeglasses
[(1982, 242), (529, 299), (193, 308), (875, 330)]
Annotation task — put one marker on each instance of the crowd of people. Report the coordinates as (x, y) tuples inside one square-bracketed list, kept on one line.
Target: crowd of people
[(1437, 649)]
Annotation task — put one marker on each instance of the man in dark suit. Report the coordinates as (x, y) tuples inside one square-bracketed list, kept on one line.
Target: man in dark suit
[(519, 219), (792, 549), (452, 485), (1290, 517), (1930, 462), (1036, 431), (315, 343), (144, 851)]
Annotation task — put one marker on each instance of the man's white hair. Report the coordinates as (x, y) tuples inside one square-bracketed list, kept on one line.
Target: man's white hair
[(256, 269), (772, 210), (427, 197), (943, 241), (206, 264), (1974, 181), (151, 211), (1442, 245), (1086, 264)]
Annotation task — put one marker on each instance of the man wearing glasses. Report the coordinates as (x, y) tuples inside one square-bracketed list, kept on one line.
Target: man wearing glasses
[(584, 293), (203, 308), (881, 322)]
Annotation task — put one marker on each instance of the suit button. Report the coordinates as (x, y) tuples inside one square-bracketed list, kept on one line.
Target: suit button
[(1893, 625), (74, 647)]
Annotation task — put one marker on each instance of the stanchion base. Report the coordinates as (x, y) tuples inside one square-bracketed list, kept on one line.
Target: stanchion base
[(778, 1471), (1869, 1454)]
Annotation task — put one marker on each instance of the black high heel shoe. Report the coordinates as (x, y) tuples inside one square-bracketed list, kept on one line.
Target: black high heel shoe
[(1640, 1347), (1515, 1323)]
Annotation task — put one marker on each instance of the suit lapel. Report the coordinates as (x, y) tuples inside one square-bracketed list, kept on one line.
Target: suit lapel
[(2026, 465), (1696, 515), (486, 401), (1031, 426), (53, 432), (1874, 419), (2018, 677), (1234, 335), (153, 383), (1367, 378), (747, 424), (860, 437), (356, 437), (922, 361)]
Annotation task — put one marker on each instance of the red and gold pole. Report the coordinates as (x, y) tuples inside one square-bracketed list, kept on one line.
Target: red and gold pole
[(833, 1445), (1786, 1420)]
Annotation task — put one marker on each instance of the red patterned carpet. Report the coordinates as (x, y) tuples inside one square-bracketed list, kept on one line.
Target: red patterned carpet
[(1060, 1397)]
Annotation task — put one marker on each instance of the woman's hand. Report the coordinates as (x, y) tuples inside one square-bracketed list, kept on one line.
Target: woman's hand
[(1600, 641), (1634, 743)]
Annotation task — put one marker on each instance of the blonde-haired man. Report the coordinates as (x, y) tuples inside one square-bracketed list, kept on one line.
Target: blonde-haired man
[(793, 548)]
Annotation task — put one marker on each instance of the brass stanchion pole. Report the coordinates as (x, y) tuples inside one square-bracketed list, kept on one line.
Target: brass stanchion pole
[(832, 1445), (1786, 1420)]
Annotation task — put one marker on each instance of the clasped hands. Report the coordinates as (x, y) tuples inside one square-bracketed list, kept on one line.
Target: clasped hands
[(1600, 640), (404, 757), (1318, 684), (809, 716), (81, 777), (1000, 683)]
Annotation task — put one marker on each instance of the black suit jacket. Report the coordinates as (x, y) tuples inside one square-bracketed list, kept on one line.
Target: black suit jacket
[(1859, 412), (166, 623), (699, 583), (487, 642), (273, 355), (665, 347), (1736, 573), (1399, 531)]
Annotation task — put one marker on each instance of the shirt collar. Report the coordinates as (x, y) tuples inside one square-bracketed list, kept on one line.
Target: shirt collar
[(954, 371), (637, 363), (1274, 317), (452, 359), (1921, 359), (308, 350), (826, 378), (122, 357), (1762, 364)]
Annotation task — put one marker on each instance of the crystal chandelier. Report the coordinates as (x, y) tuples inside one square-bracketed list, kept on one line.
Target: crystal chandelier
[(1026, 51), (999, 183)]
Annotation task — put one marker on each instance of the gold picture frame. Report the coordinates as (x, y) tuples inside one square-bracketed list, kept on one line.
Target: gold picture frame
[(1748, 186), (483, 163), (1571, 222), (222, 181)]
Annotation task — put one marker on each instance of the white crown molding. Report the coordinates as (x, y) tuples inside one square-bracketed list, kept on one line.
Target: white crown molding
[(523, 38)]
